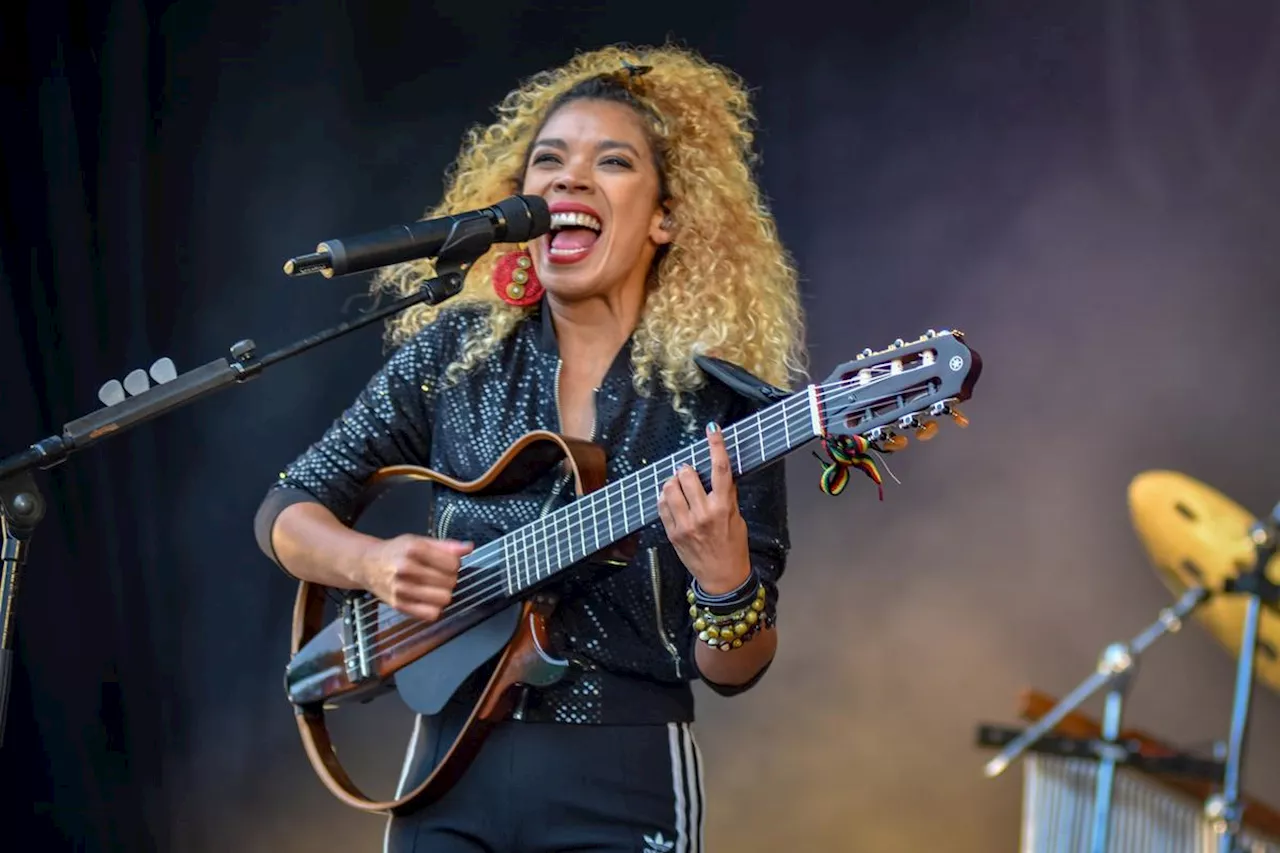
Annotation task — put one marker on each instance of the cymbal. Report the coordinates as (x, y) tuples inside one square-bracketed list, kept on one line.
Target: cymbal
[(1196, 536)]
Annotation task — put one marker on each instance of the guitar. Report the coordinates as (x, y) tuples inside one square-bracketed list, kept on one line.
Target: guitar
[(498, 609)]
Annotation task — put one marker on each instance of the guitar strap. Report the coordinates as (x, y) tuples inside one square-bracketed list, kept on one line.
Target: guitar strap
[(740, 379)]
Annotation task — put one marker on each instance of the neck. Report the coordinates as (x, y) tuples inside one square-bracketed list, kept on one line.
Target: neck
[(592, 330)]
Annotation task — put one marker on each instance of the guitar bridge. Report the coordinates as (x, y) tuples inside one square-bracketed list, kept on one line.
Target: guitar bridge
[(359, 619)]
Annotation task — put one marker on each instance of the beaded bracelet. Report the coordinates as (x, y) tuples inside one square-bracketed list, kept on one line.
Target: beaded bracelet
[(728, 630)]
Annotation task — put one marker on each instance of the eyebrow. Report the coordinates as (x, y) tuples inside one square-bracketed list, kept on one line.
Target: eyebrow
[(602, 145)]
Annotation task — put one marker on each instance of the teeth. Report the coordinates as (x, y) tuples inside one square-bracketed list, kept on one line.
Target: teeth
[(575, 219)]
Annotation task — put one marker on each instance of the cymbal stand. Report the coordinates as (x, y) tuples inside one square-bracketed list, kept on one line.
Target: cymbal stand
[(1114, 673), (1225, 811)]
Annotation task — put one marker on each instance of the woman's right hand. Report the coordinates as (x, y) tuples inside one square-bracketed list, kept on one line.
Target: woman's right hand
[(414, 574)]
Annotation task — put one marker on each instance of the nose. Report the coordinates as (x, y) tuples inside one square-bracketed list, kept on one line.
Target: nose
[(571, 179)]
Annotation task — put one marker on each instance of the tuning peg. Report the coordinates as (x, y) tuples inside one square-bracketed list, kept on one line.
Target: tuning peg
[(886, 440), (163, 371), (946, 408), (111, 393), (925, 428)]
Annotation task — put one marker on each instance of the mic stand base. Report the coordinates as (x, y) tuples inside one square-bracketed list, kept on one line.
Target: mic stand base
[(1114, 673)]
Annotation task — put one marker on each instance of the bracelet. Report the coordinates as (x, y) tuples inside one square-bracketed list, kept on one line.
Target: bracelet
[(727, 602), (729, 630)]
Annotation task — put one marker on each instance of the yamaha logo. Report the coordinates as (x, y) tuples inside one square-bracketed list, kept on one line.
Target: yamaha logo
[(956, 362)]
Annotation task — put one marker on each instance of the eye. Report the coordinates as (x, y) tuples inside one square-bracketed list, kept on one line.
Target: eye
[(614, 160), (545, 157)]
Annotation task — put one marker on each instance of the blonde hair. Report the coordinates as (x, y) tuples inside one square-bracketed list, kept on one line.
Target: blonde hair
[(724, 286)]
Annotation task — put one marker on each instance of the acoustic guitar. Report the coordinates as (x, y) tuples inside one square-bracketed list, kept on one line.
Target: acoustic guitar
[(499, 608)]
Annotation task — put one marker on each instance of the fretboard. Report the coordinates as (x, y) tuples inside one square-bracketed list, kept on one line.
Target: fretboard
[(568, 535)]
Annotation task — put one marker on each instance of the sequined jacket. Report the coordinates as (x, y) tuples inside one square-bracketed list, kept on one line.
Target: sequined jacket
[(626, 631)]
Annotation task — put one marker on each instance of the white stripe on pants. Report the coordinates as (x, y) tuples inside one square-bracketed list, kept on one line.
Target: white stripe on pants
[(686, 784)]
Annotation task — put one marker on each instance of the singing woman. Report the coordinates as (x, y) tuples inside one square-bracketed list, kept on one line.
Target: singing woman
[(661, 249)]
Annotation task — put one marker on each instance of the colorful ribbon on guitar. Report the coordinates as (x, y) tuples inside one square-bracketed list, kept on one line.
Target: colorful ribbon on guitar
[(846, 452)]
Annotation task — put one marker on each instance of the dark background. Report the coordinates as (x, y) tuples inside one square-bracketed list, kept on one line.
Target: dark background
[(1090, 190)]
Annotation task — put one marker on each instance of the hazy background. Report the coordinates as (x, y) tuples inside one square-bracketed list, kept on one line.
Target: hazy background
[(1090, 190)]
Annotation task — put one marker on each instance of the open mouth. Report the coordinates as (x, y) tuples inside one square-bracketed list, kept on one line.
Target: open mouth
[(573, 235)]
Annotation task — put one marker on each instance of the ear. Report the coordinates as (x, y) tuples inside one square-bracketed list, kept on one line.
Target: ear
[(662, 227)]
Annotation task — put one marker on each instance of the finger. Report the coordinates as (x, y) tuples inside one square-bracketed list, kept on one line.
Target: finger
[(691, 488), (721, 472), (425, 612), (669, 522), (411, 573), (675, 496), (436, 596), (440, 553)]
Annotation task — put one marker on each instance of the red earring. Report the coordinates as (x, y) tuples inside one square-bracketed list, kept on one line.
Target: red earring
[(514, 279)]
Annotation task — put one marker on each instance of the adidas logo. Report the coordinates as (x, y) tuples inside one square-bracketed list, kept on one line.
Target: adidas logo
[(658, 844)]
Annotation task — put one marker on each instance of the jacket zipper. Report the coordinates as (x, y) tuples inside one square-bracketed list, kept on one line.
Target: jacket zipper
[(654, 574), (518, 714), (445, 518), (657, 608)]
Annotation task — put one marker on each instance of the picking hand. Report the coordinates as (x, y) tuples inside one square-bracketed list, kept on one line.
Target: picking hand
[(414, 574)]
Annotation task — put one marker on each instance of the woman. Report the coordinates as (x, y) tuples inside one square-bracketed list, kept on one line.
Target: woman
[(661, 249)]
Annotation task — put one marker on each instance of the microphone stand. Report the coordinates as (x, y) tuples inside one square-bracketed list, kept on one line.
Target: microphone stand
[(1114, 672), (1225, 811), (21, 504)]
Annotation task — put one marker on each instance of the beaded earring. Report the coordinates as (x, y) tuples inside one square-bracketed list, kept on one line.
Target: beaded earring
[(514, 279)]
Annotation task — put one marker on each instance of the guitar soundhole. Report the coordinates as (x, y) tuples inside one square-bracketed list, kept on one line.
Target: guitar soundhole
[(1185, 511), (1267, 650), (1192, 569)]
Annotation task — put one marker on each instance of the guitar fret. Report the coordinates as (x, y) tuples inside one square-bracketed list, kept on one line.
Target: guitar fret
[(760, 436), (608, 513), (507, 562)]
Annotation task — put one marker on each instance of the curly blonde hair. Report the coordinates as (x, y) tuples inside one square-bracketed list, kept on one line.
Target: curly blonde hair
[(724, 286)]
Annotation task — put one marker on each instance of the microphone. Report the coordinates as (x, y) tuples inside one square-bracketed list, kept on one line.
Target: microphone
[(512, 220)]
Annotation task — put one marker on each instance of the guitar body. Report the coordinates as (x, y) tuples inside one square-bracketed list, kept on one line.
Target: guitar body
[(447, 652)]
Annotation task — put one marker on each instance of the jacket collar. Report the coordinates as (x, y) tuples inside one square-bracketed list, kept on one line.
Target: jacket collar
[(548, 343)]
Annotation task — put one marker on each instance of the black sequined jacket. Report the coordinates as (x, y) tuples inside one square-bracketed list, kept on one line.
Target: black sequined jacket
[(627, 631)]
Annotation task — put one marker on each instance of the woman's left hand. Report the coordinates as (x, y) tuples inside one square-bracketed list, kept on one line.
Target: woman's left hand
[(706, 528)]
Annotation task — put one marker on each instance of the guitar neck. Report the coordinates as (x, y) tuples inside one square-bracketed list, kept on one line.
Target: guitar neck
[(540, 549)]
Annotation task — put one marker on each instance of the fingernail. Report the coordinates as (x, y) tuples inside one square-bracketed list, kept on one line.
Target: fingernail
[(712, 427)]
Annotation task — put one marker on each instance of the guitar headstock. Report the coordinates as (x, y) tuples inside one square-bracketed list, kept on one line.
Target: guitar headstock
[(882, 396)]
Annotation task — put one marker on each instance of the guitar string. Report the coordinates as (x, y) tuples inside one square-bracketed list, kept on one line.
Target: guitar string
[(498, 581), (407, 625), (575, 520), (497, 577), (399, 627)]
